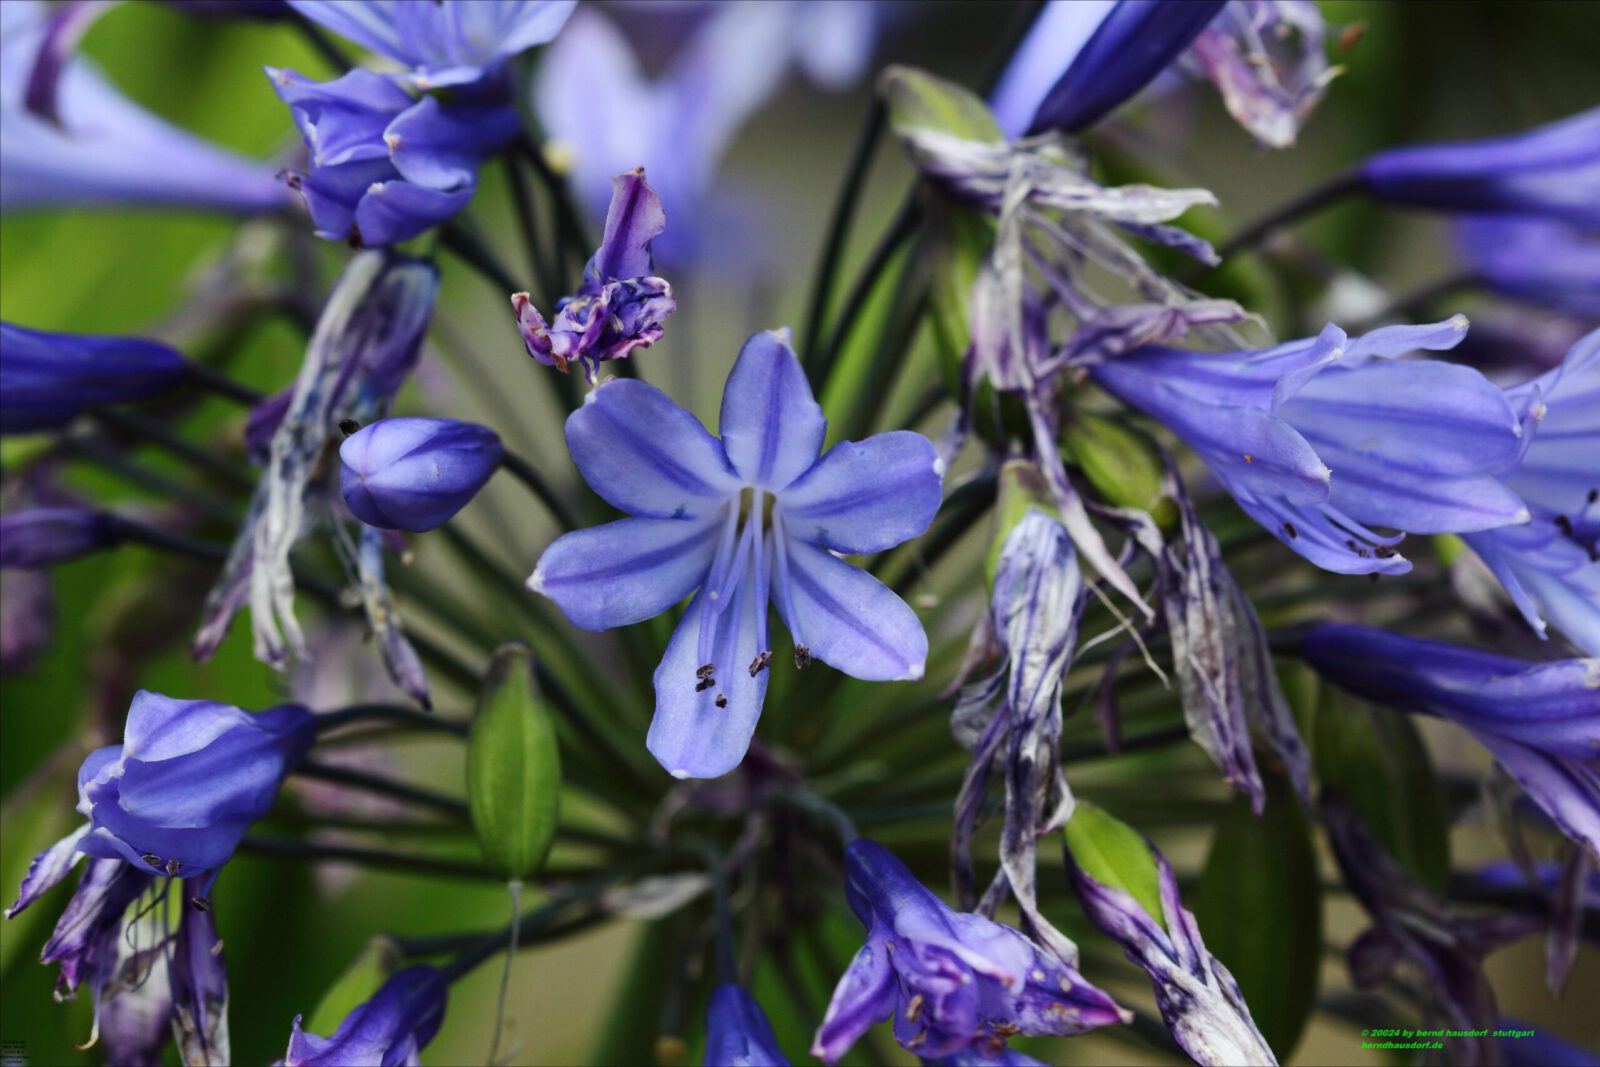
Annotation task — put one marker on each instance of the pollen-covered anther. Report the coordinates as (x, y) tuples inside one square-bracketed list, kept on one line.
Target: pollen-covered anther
[(722, 700), (152, 859), (914, 1007), (172, 868), (802, 657), (762, 661)]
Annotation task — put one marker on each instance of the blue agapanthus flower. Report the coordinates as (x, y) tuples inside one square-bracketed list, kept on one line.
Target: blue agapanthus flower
[(389, 1029), (1080, 60), (48, 379), (93, 147), (384, 165), (1539, 720), (1551, 566), (621, 304), (953, 980), (758, 515), (443, 43), (738, 1033), (1552, 171), (31, 538), (1320, 440)]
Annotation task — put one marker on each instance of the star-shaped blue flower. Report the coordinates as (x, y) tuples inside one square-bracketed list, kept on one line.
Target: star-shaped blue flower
[(758, 515)]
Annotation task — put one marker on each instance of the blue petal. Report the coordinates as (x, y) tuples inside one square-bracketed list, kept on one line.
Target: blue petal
[(737, 1031), (1567, 789), (369, 23), (772, 428), (868, 496), (864, 996), (690, 735), (625, 571), (634, 220), (440, 148), (394, 211), (646, 455), (343, 120), (849, 619), (1056, 37)]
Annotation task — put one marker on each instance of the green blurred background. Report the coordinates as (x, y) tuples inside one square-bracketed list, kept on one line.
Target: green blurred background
[(1420, 71)]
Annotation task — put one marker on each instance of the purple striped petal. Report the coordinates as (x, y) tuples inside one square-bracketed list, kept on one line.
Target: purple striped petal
[(48, 869), (771, 426), (625, 571), (849, 619), (868, 496)]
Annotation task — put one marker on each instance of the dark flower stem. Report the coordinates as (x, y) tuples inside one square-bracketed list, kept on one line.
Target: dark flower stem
[(391, 713), (373, 783), (214, 381), (468, 247), (526, 473), (1313, 200), (819, 808), (306, 851), (145, 429), (168, 541), (839, 230), (115, 460), (539, 264), (569, 224), (905, 225)]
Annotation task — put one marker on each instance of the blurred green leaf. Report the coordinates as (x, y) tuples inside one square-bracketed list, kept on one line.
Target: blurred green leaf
[(1259, 907), (1377, 759), (513, 767), (1115, 854), (959, 238)]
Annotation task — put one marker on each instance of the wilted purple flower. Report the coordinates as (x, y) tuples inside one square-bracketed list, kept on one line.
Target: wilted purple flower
[(1080, 60), (1199, 1000), (1552, 171), (1551, 567), (388, 1030), (445, 43), (46, 536), (86, 939), (189, 778), (1537, 260), (198, 980), (1320, 439), (602, 112), (27, 617), (737, 1031), (100, 149), (621, 304), (1012, 720), (367, 342), (414, 474), (48, 379), (700, 513), (1540, 721), (1269, 61), (953, 980), (1412, 922), (385, 167)]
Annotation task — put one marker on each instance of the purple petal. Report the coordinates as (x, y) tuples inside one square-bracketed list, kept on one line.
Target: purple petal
[(647, 456), (441, 148), (343, 120), (634, 219), (864, 997), (849, 619), (393, 211), (48, 869), (866, 497), (737, 1032), (772, 428), (1568, 789), (625, 571), (1056, 37)]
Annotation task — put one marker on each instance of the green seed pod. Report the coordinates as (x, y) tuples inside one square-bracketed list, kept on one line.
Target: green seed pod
[(513, 767), (1021, 487), (1121, 463), (1114, 854)]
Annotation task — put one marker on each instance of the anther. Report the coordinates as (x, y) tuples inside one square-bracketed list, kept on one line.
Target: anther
[(802, 657), (1594, 495), (172, 868), (348, 426), (705, 671), (1564, 524), (703, 684), (722, 700), (1289, 529), (762, 661), (152, 859), (216, 950), (1384, 552), (200, 903)]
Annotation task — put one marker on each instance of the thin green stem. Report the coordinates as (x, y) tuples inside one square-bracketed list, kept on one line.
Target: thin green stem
[(528, 223), (214, 381), (526, 473), (391, 713), (515, 928), (906, 223), (388, 787), (167, 541), (309, 852), (155, 433), (116, 461), (1331, 191)]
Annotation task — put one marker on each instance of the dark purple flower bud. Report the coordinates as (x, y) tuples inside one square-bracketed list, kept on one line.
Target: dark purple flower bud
[(188, 780), (1539, 721), (1411, 922), (953, 980), (44, 537), (1199, 1000), (390, 1029), (47, 379), (414, 474), (1537, 260), (1552, 171), (737, 1032), (27, 618), (1080, 61), (620, 305), (972, 1058), (199, 983)]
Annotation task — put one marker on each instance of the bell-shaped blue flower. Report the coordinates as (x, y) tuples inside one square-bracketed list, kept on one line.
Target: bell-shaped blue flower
[(737, 1031), (621, 304), (1540, 721), (1552, 171), (388, 1030), (178, 794), (48, 379), (953, 980), (1536, 260), (414, 474), (98, 148), (386, 167), (46, 536), (1551, 567), (1081, 60), (445, 42), (1318, 440), (753, 517)]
